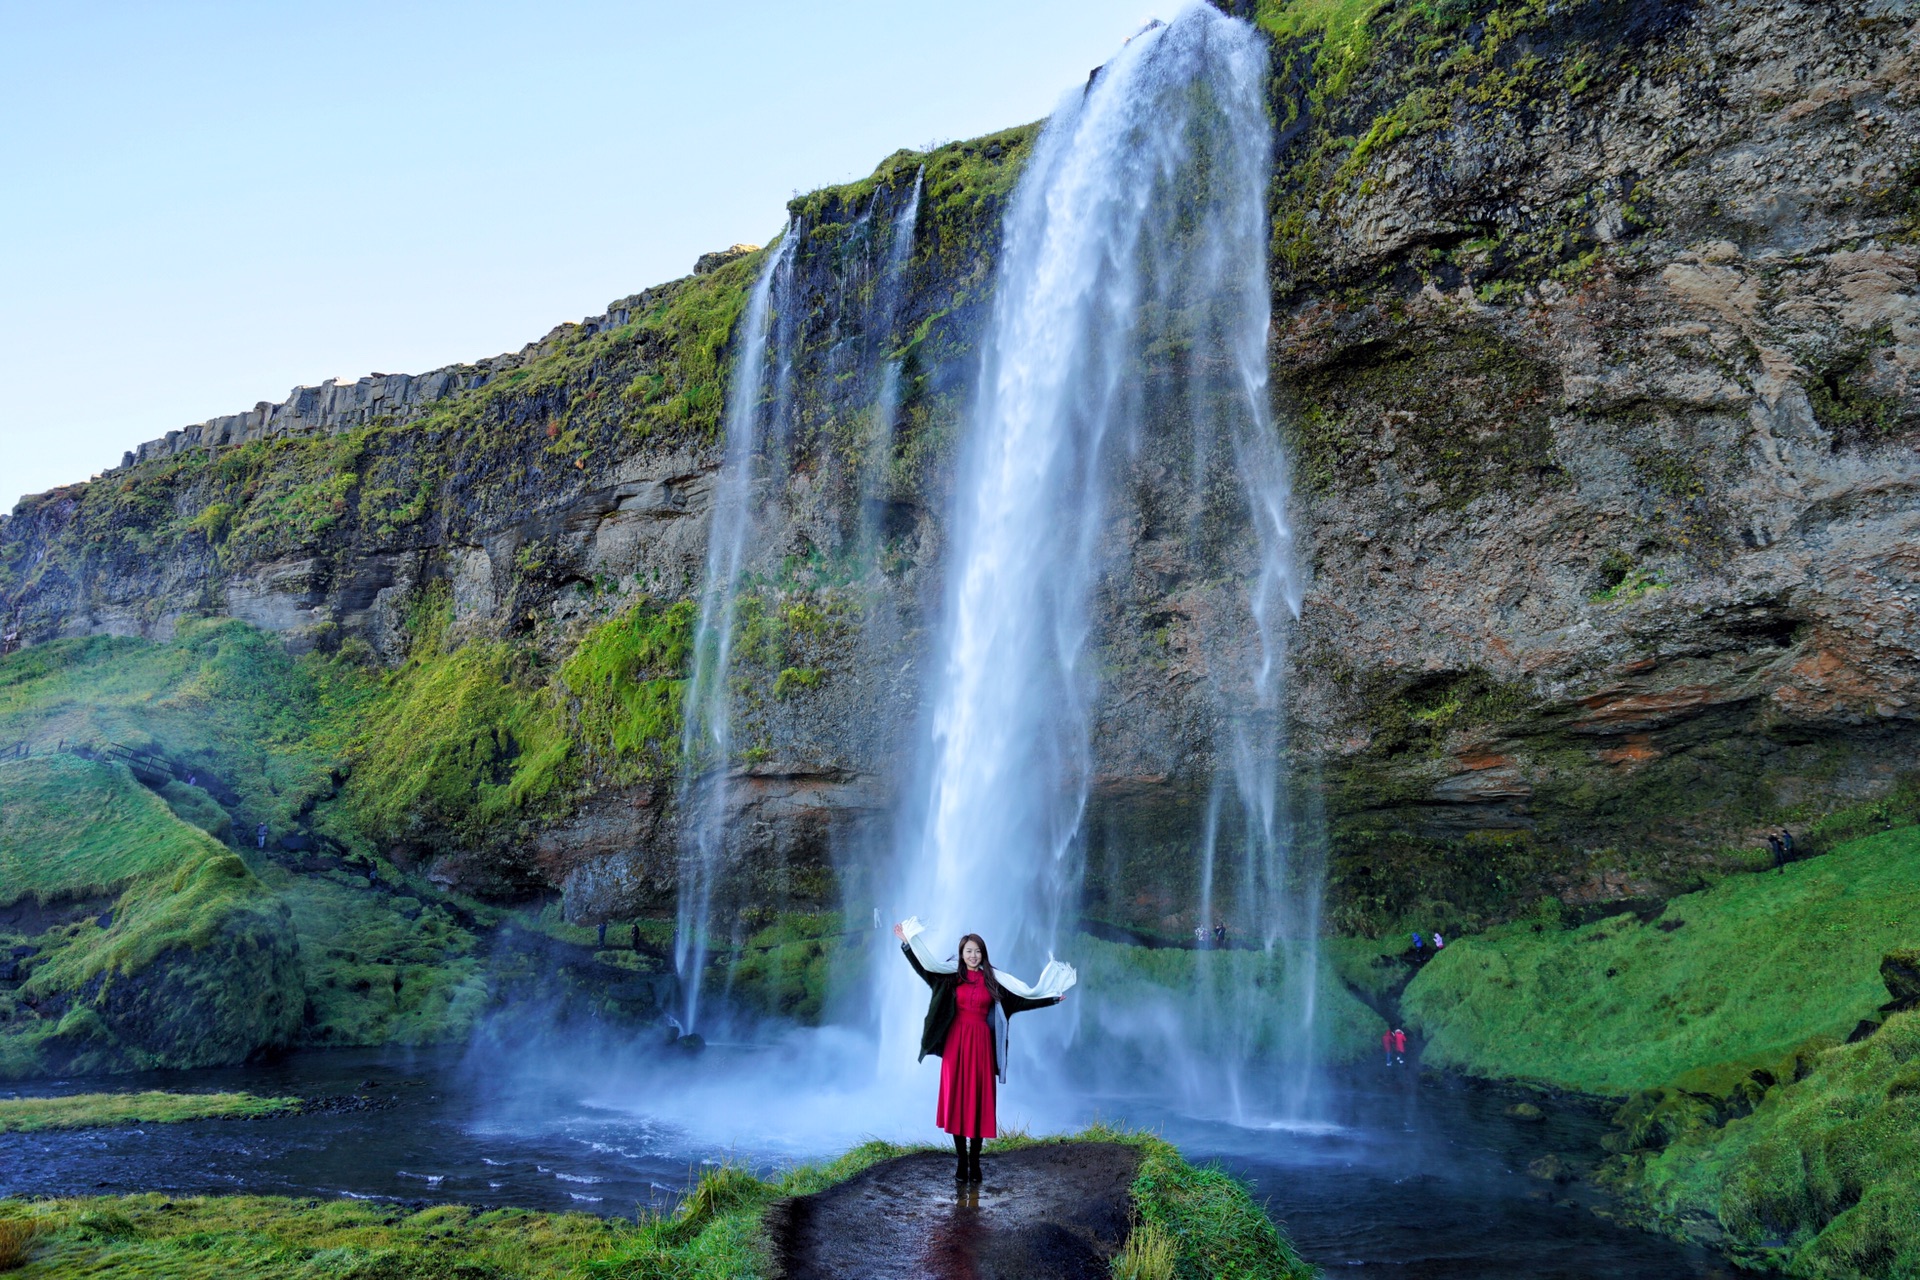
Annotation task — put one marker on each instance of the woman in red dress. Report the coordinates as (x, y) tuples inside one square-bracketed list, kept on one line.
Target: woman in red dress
[(966, 1026)]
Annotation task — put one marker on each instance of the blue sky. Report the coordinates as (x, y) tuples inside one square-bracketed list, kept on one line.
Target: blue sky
[(205, 204)]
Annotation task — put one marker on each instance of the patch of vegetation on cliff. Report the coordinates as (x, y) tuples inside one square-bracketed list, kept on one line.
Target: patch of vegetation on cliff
[(1138, 981), (73, 828), (152, 1106), (1446, 414), (1822, 1180), (192, 965), (792, 967), (1754, 966), (694, 329), (1362, 79), (461, 739), (627, 681), (223, 701), (380, 967)]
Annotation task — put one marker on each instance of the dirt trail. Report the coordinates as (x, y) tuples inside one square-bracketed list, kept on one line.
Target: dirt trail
[(1045, 1213)]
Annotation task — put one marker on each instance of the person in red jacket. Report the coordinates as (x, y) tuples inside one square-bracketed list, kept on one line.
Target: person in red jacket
[(1386, 1043), (1400, 1046)]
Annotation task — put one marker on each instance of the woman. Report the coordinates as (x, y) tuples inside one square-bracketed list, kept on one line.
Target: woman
[(966, 1027)]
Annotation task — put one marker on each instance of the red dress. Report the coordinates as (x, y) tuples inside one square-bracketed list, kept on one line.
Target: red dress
[(966, 1064)]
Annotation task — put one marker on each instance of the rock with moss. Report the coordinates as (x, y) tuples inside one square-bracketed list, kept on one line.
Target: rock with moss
[(190, 961)]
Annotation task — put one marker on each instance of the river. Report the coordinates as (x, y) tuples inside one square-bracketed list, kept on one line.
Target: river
[(1418, 1178)]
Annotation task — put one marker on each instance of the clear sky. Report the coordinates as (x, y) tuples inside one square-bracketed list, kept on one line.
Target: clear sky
[(204, 204)]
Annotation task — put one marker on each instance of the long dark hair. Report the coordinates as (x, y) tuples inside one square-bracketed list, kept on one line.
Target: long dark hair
[(986, 965)]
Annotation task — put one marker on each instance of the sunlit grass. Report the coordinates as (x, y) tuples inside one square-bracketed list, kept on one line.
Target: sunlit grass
[(83, 1110), (1756, 965)]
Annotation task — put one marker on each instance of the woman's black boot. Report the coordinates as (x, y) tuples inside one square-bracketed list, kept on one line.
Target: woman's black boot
[(960, 1156), (973, 1160)]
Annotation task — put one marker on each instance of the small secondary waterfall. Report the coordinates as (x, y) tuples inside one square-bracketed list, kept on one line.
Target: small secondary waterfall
[(889, 298), (1131, 293), (706, 741)]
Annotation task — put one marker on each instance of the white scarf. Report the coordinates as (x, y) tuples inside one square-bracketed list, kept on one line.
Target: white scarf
[(1054, 979)]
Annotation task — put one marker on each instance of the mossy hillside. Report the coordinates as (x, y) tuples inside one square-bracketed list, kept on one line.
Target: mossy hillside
[(1821, 1181), (381, 966), (91, 1110), (194, 964), (73, 828), (471, 735), (1754, 966), (223, 701), (794, 966), (1133, 981)]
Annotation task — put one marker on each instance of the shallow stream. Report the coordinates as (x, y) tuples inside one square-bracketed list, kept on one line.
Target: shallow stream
[(1412, 1179)]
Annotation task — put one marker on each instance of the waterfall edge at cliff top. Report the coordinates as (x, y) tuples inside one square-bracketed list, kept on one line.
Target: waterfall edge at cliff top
[(1138, 230)]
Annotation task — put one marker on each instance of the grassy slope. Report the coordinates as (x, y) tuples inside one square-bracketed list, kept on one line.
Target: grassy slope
[(1823, 1178), (86, 1110), (72, 828), (1762, 963), (223, 698), (1216, 1228)]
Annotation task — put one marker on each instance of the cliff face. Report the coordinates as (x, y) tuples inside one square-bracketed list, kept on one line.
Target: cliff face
[(1597, 342)]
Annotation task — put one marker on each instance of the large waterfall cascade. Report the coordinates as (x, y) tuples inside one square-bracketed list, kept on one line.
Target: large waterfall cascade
[(1131, 290), (1129, 318)]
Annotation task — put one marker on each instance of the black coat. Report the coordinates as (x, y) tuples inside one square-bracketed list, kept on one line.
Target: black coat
[(944, 1006)]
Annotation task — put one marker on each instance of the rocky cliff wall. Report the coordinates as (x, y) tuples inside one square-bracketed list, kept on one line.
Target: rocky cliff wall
[(1597, 340)]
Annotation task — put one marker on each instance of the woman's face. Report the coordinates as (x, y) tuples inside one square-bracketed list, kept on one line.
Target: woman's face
[(971, 954)]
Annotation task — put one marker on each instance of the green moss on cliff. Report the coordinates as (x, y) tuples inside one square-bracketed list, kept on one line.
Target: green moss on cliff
[(192, 965), (73, 828), (1822, 1180), (223, 701), (627, 680), (461, 739), (1754, 966)]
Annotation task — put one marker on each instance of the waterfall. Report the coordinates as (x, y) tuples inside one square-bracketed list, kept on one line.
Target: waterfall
[(706, 741), (1131, 294), (889, 299)]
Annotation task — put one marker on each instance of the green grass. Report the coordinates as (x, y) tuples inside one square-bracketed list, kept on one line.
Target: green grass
[(381, 970), (222, 698), (1823, 1179), (1130, 977), (73, 828), (193, 964), (1215, 1227), (1754, 966), (89, 1110)]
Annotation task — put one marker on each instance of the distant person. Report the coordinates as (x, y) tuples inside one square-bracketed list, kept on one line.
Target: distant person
[(1419, 948), (1786, 842), (1439, 942), (1386, 1045), (1400, 1046), (636, 936), (260, 834), (966, 1026), (1200, 934), (603, 935), (1220, 935), (1779, 852)]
